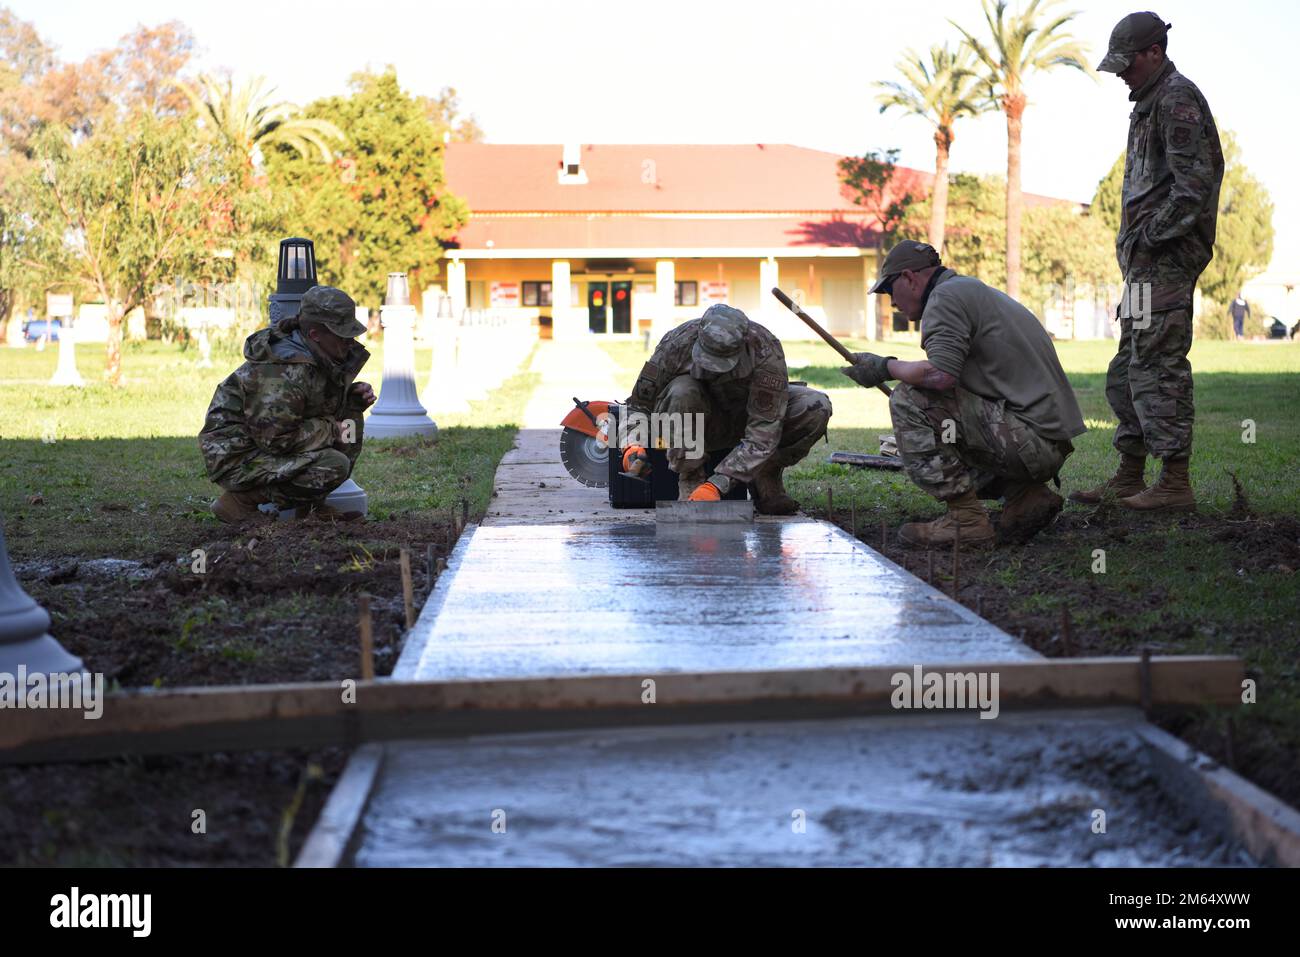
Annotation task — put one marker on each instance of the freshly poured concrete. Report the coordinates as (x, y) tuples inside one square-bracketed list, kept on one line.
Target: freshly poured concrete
[(537, 600), (1021, 790), (556, 582)]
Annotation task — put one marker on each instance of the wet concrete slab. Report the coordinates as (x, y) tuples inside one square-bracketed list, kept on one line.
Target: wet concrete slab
[(634, 598), (1021, 790)]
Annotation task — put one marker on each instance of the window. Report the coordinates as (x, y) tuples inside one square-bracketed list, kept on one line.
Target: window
[(537, 294), (685, 294)]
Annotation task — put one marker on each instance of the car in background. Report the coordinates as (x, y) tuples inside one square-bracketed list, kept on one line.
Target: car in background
[(34, 329)]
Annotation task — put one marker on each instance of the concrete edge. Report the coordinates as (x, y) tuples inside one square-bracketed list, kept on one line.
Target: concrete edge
[(418, 637), (934, 594), (330, 843), (1268, 828)]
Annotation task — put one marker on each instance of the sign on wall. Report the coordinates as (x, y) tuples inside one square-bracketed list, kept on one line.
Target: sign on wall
[(504, 295), (713, 291), (58, 305)]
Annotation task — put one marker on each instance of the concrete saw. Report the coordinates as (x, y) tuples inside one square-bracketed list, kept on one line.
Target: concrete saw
[(584, 443)]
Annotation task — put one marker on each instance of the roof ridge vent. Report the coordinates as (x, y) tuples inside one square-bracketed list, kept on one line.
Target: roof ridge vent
[(571, 172)]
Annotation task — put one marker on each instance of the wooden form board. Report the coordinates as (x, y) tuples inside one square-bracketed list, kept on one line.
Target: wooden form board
[(268, 717)]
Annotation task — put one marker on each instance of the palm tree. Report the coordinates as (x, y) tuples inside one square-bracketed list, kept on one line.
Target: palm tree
[(251, 122), (940, 92), (1021, 45)]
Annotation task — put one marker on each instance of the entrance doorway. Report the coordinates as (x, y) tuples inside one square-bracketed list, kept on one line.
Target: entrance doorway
[(610, 303), (597, 294)]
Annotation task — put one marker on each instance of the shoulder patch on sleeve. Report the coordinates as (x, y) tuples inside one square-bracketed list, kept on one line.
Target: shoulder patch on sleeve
[(1185, 113), (768, 382), (764, 401), (1181, 135)]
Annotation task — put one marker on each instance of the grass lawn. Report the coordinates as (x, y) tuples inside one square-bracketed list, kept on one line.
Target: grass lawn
[(97, 473)]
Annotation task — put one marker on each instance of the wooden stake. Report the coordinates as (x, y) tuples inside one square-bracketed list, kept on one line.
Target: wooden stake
[(884, 534), (853, 516), (408, 588), (429, 573), (929, 556), (956, 561), (1144, 680), (979, 605), (464, 513), (367, 642), (830, 505), (439, 567)]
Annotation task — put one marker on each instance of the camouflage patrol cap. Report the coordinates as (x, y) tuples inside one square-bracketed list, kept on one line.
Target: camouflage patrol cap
[(332, 308), (1131, 35), (909, 254), (721, 338)]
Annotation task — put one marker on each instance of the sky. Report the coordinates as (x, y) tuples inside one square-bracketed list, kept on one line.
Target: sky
[(750, 71)]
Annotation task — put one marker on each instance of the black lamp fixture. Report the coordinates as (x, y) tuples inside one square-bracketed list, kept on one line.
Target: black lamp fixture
[(295, 274)]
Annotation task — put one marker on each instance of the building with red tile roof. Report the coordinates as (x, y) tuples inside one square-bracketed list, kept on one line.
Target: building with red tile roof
[(620, 240)]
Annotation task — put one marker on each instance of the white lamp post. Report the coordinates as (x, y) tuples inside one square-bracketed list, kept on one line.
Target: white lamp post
[(398, 411)]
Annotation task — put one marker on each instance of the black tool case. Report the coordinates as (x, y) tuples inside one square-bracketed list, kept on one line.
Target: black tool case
[(661, 484)]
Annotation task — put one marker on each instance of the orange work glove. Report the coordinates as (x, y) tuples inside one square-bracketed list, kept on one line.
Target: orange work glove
[(706, 492), (631, 454)]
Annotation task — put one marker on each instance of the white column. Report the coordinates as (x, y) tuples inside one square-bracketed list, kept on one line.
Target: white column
[(567, 320), (457, 290), (65, 373), (665, 285), (769, 277), (868, 300)]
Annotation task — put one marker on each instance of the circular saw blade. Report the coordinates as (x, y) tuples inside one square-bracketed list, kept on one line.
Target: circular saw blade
[(586, 459)]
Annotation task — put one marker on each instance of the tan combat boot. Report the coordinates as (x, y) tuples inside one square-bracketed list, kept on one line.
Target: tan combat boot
[(1029, 509), (770, 496), (1172, 491), (688, 482), (235, 507), (964, 511), (1127, 480)]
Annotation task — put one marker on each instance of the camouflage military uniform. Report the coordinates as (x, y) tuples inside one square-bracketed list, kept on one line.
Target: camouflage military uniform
[(272, 422), (1172, 174), (770, 423), (956, 441)]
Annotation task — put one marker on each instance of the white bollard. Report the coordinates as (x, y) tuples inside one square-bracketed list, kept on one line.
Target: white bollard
[(205, 349), (24, 629), (65, 373), (442, 391), (398, 411)]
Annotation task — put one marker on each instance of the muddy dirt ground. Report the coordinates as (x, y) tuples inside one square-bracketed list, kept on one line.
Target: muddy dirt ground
[(264, 603), (274, 602), (279, 603), (1022, 590)]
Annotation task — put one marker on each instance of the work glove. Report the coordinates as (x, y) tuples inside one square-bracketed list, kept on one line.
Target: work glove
[(631, 455), (868, 370), (706, 492)]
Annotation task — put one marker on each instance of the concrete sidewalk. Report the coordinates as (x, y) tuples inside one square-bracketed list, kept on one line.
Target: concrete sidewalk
[(570, 369), (557, 582)]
